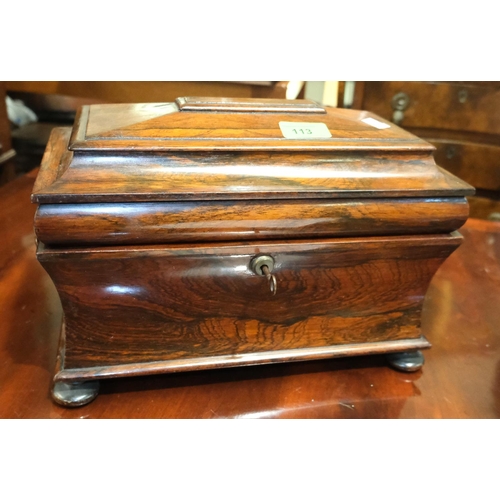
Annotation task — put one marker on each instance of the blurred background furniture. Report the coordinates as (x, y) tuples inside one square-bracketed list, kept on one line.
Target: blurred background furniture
[(7, 167), (52, 110), (154, 91), (462, 119)]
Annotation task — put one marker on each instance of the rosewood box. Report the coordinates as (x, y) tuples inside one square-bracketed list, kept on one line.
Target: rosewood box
[(210, 233)]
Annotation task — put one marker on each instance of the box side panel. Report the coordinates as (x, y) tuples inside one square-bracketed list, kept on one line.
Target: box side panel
[(169, 303)]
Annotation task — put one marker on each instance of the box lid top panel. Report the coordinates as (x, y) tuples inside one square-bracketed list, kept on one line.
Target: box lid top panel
[(226, 124), (219, 149)]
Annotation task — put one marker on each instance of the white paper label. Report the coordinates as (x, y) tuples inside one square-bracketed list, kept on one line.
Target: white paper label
[(304, 130), (375, 123)]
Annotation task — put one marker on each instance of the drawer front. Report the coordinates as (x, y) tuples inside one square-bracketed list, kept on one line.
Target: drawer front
[(477, 164), (449, 106), (177, 302)]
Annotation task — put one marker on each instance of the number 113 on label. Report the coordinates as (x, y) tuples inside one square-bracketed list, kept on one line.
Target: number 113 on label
[(304, 130)]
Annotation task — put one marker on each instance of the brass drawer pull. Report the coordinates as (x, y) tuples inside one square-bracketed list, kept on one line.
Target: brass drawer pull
[(263, 266), (399, 103)]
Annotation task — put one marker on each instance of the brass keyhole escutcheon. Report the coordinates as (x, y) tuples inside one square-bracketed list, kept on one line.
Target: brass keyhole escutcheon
[(263, 266)]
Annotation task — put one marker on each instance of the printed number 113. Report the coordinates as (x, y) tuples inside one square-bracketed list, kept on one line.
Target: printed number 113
[(302, 131)]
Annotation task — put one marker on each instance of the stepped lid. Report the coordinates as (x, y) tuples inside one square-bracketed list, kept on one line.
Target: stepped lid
[(211, 148)]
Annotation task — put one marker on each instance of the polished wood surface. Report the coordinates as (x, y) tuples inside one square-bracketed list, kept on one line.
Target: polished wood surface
[(141, 223), (182, 304), (141, 305), (65, 374), (232, 124), (460, 379), (385, 163)]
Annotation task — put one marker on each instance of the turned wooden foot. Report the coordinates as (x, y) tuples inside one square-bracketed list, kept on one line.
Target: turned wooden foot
[(75, 393), (410, 361)]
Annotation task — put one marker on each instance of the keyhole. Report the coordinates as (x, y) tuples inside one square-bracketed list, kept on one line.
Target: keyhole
[(263, 266)]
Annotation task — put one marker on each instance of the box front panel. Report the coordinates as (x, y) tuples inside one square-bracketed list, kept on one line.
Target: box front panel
[(142, 304)]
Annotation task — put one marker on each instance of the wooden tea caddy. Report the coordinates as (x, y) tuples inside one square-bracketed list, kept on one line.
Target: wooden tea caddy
[(214, 232)]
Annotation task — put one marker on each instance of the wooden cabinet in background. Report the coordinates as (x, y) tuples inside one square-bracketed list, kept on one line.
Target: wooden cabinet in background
[(462, 119), (7, 169), (153, 91)]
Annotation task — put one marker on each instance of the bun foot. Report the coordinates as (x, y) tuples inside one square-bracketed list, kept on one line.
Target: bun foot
[(75, 393), (410, 361)]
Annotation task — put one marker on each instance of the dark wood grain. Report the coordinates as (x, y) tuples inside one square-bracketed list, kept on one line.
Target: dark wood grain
[(181, 177), (84, 178), (460, 379), (232, 360), (138, 223), (163, 127), (173, 303), (156, 152), (54, 159)]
